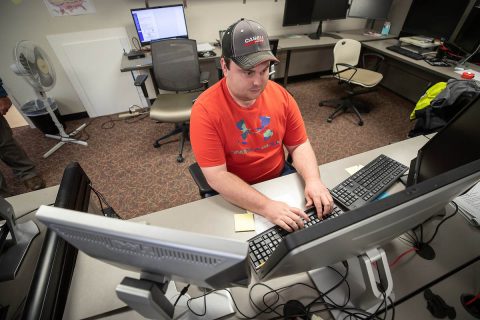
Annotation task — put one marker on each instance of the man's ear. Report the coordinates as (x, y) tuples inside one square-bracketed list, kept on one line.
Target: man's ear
[(224, 66)]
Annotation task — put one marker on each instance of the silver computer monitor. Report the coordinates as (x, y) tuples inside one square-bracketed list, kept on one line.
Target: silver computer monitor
[(203, 260)]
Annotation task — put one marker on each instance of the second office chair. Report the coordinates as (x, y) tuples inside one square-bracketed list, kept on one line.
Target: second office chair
[(346, 54), (176, 68)]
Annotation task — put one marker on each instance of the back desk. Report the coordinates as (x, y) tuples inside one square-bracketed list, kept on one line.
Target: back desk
[(92, 290)]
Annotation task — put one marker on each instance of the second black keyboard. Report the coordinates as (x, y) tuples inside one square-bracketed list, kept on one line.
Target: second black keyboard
[(406, 52), (369, 182)]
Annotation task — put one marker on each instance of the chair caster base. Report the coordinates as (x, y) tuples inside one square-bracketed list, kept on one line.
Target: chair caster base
[(156, 145), (329, 120), (360, 123), (180, 159)]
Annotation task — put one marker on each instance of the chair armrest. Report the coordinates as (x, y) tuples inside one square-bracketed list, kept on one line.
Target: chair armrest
[(349, 67), (204, 76), (200, 180), (379, 60)]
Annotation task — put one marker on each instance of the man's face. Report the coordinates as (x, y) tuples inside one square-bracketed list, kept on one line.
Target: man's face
[(246, 85)]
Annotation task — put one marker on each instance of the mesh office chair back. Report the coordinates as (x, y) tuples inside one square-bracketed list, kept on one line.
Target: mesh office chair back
[(175, 64), (176, 68)]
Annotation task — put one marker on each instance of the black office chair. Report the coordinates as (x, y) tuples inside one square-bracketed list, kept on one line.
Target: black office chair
[(346, 54), (203, 187), (176, 68)]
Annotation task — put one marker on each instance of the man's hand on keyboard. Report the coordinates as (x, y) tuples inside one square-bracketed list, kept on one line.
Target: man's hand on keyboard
[(284, 216), (317, 194)]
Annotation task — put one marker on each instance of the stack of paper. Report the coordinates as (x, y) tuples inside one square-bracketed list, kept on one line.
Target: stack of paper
[(469, 205), (204, 46)]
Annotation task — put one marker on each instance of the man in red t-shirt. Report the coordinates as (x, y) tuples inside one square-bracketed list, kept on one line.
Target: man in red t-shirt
[(239, 126)]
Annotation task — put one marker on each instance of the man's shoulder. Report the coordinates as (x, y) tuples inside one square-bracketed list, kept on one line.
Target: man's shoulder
[(207, 102), (211, 94)]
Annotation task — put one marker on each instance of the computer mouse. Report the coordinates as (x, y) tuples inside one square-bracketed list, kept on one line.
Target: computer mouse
[(468, 75), (458, 68)]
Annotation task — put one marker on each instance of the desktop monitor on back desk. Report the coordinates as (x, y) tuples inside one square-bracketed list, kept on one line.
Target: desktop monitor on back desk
[(433, 18), (370, 9), (157, 23), (328, 10), (306, 12)]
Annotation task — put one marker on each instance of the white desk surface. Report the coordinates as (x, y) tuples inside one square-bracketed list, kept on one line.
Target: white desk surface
[(294, 42), (381, 46), (93, 286)]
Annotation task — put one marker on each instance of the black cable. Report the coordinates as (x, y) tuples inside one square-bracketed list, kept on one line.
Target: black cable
[(182, 293), (392, 306), (204, 303), (443, 221), (136, 43)]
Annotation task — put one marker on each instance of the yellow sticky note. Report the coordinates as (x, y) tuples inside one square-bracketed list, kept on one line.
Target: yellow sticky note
[(354, 169), (244, 222)]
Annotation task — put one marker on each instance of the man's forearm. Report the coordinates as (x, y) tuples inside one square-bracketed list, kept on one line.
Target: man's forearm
[(238, 192), (305, 162)]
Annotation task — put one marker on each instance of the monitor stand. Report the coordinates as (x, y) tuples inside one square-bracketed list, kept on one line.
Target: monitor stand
[(153, 297), (319, 33), (15, 245), (364, 280)]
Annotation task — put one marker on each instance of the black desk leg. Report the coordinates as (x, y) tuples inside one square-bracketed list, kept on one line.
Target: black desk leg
[(287, 66)]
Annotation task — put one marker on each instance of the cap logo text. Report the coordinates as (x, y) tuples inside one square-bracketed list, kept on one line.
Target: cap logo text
[(253, 40)]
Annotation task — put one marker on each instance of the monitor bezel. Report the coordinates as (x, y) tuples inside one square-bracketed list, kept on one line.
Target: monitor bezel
[(145, 43), (200, 259), (369, 17)]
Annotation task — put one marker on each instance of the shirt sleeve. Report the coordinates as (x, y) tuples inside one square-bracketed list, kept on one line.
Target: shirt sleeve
[(295, 132), (205, 139)]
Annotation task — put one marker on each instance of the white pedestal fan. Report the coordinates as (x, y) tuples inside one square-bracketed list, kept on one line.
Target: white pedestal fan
[(32, 63)]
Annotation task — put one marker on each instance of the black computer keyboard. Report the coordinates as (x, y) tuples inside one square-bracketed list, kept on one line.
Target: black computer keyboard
[(406, 52), (262, 245), (368, 183)]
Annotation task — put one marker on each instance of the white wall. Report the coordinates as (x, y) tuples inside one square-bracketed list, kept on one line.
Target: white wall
[(30, 20)]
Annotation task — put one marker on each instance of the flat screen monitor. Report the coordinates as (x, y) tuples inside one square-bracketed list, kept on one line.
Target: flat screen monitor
[(158, 23), (370, 9), (329, 10), (203, 260), (468, 38), (453, 146), (434, 18), (449, 165), (297, 12)]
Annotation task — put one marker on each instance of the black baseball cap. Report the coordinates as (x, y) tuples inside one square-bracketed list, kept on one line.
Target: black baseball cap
[(246, 43)]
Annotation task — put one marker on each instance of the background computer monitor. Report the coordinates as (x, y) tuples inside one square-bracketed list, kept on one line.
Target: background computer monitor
[(453, 146), (434, 18), (297, 12), (328, 10), (369, 9), (468, 38), (158, 23)]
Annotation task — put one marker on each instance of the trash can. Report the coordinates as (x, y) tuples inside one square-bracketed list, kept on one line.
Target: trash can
[(37, 112)]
